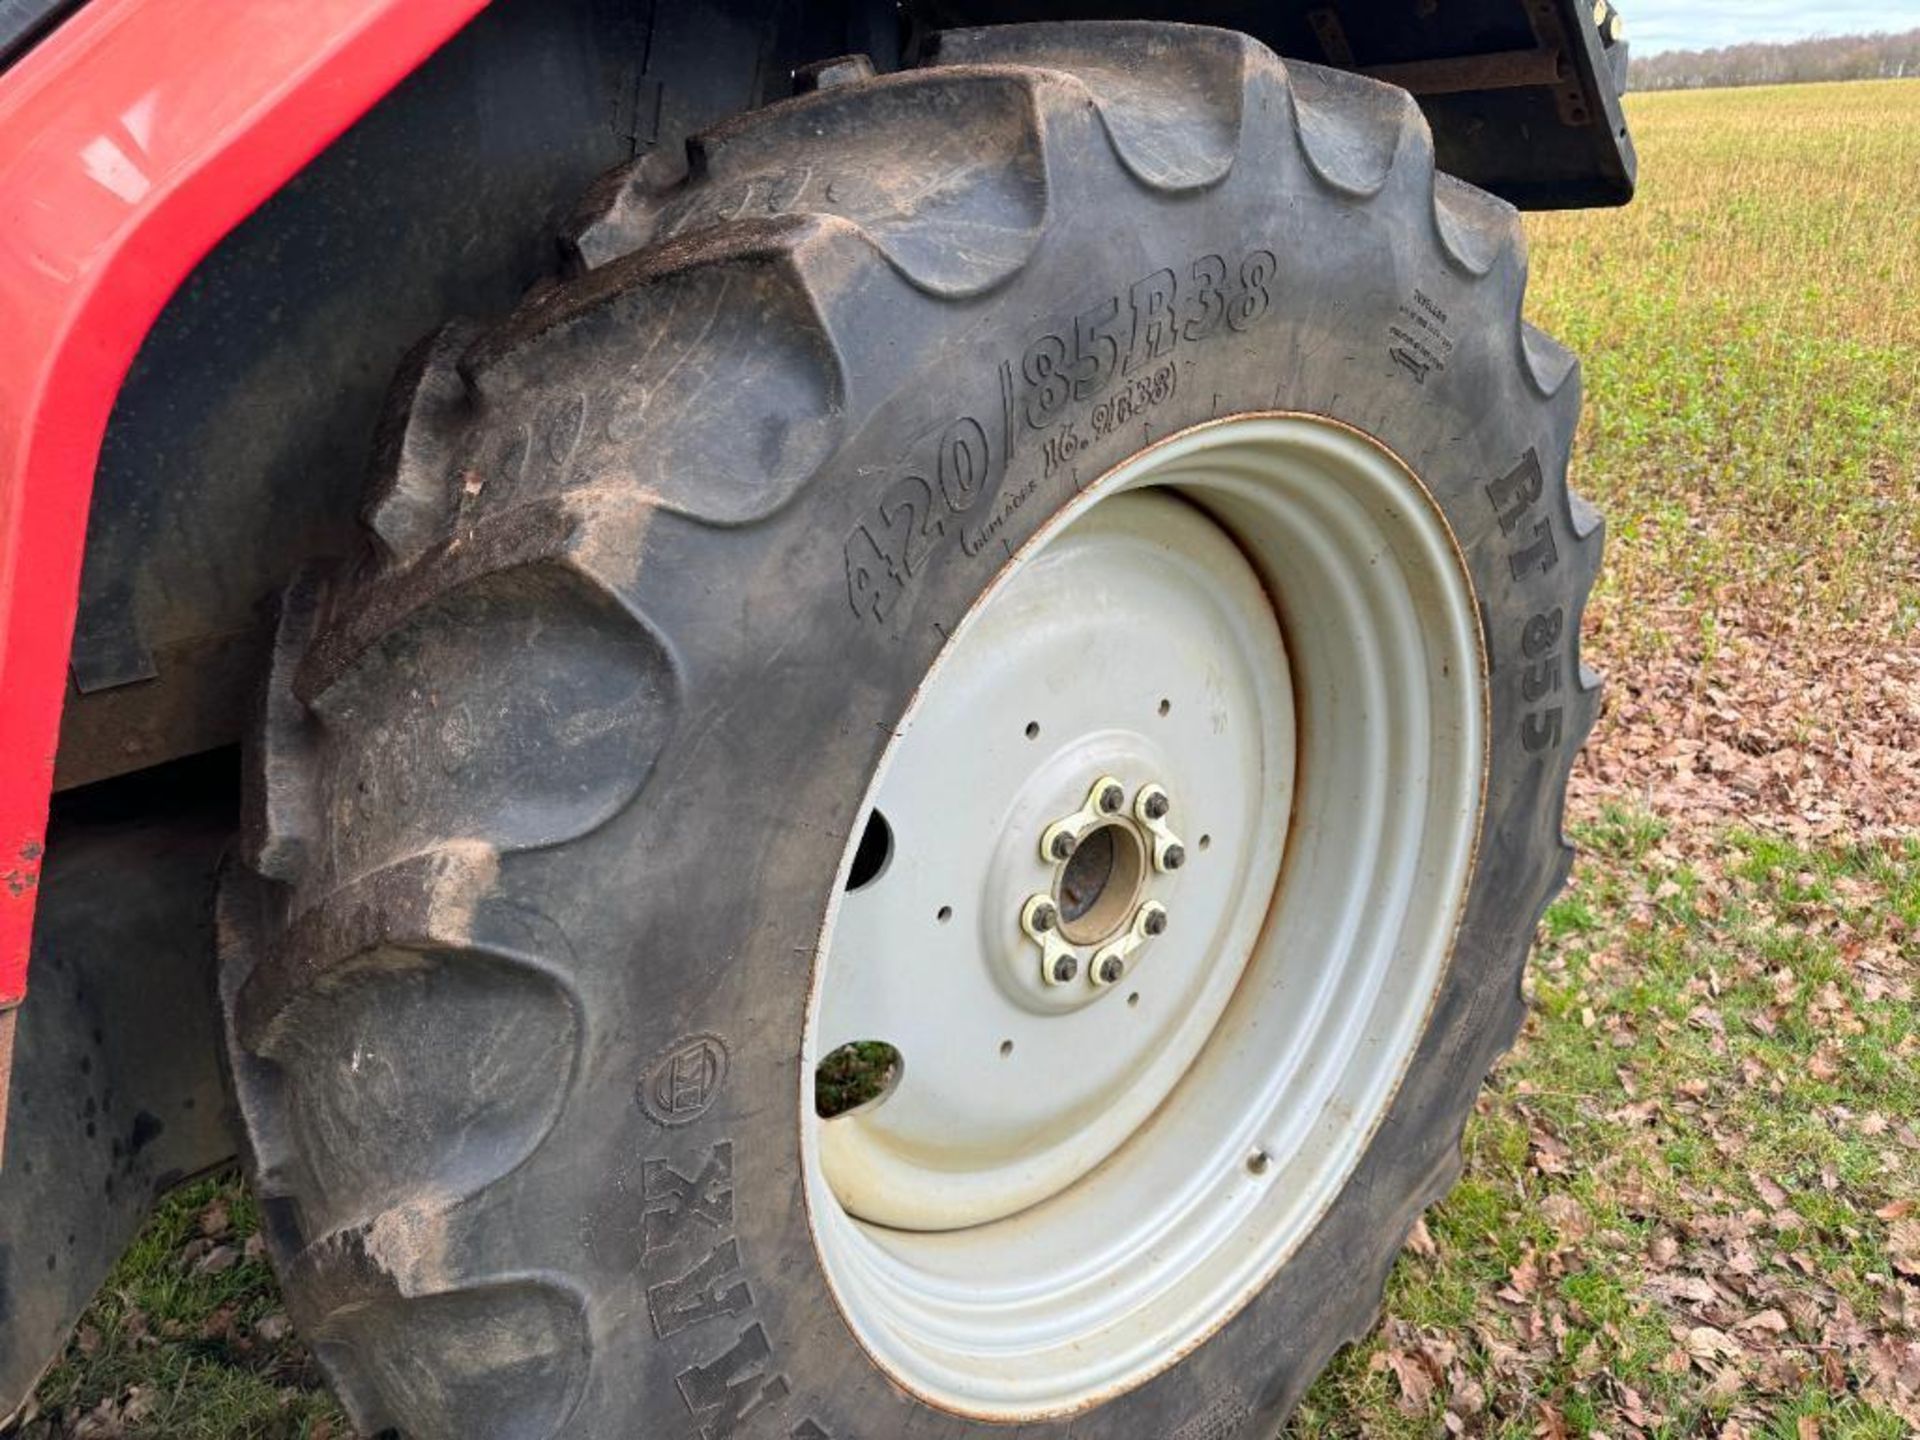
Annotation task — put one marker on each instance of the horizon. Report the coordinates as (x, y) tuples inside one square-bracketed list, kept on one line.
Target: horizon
[(1657, 27)]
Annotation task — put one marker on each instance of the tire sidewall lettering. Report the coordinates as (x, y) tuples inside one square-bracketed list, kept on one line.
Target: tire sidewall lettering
[(1075, 389)]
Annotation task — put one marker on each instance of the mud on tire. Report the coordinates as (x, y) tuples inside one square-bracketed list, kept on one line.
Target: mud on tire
[(552, 783)]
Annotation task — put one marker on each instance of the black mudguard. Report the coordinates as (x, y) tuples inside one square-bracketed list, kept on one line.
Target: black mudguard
[(117, 1093)]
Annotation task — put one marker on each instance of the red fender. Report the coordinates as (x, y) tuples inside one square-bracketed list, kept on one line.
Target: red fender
[(131, 140)]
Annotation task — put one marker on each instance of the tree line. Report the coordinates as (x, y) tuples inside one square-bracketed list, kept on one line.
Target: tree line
[(1839, 57)]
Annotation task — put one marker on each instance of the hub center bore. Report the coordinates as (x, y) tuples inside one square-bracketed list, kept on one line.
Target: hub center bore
[(1100, 885)]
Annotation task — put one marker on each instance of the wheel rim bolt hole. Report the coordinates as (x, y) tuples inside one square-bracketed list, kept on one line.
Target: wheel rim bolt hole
[(1259, 1163), (873, 854), (855, 1076)]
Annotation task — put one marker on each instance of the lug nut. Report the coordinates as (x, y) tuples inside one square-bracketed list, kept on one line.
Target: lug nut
[(1155, 923), (1112, 798), (1175, 857), (1156, 806), (1044, 917), (1111, 969), (1064, 969), (1063, 847)]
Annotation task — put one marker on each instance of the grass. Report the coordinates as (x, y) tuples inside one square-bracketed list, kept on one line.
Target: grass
[(1686, 1208), (187, 1339), (1708, 1127), (1686, 1204)]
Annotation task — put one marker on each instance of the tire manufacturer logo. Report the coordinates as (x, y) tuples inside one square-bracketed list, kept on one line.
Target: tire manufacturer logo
[(684, 1080)]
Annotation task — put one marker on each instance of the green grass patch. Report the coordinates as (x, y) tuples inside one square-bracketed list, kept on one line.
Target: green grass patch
[(1676, 1188), (187, 1339)]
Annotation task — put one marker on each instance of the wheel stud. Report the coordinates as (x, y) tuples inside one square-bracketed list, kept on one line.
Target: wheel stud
[(1106, 798), (1175, 857), (1155, 922), (1044, 917), (1064, 969), (1111, 969), (1154, 804)]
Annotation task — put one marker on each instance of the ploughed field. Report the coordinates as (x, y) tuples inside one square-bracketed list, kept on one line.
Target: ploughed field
[(1691, 1205)]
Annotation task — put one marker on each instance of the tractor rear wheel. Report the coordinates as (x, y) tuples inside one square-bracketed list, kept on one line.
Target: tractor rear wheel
[(1045, 583)]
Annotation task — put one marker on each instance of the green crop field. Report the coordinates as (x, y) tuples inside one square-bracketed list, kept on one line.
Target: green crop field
[(1689, 1206)]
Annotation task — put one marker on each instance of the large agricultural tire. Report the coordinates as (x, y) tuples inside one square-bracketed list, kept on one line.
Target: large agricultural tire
[(560, 792)]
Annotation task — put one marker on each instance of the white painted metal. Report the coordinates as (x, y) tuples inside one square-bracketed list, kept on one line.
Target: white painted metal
[(1071, 1185)]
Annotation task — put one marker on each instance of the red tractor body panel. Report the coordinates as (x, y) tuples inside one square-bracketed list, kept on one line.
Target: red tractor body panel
[(131, 140)]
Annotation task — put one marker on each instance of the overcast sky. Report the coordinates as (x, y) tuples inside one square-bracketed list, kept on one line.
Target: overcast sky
[(1656, 25)]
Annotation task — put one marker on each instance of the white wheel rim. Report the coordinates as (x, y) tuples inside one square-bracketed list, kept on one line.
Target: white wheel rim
[(1071, 1185)]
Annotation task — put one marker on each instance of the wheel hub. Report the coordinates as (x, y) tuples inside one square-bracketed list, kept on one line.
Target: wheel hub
[(1097, 917)]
